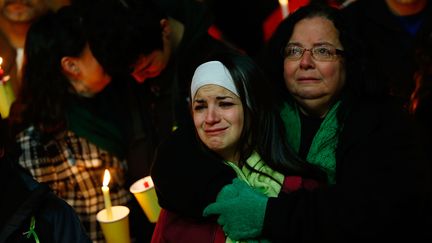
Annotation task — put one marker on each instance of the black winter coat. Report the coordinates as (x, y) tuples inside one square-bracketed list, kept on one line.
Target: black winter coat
[(383, 186), (24, 198)]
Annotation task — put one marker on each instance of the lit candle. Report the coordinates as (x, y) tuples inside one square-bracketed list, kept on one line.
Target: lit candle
[(284, 8), (105, 190), (1, 69), (6, 93), (3, 77)]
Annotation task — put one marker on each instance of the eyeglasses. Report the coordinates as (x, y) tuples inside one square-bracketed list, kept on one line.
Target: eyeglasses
[(318, 53)]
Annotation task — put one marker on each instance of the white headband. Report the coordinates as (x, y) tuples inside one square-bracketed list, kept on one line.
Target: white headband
[(213, 72)]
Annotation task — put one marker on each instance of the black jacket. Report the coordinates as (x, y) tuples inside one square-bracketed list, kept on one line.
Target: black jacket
[(382, 192), (24, 198)]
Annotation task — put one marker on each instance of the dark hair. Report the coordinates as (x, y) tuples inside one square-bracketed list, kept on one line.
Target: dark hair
[(44, 90), (120, 31), (4, 141), (263, 130), (360, 79)]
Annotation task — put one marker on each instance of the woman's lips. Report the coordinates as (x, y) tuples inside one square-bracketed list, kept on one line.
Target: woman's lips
[(307, 79), (214, 131)]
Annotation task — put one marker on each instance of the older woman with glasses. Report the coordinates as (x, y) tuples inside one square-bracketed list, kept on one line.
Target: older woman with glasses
[(379, 178)]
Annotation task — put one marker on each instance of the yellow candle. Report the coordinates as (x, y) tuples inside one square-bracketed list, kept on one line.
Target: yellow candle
[(106, 195), (6, 94), (6, 98)]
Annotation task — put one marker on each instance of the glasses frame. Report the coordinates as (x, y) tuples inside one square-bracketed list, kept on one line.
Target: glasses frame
[(337, 53)]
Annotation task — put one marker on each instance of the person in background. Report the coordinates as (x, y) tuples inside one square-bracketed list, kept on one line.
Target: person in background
[(162, 45), (272, 48), (30, 212), (388, 29), (166, 41), (15, 20), (378, 171), (151, 50), (54, 124), (238, 125)]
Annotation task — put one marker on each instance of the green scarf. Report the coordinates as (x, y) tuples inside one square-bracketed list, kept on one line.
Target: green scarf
[(323, 148), (96, 130), (270, 186)]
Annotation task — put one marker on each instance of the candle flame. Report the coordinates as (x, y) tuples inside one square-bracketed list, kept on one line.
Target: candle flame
[(283, 2), (107, 178)]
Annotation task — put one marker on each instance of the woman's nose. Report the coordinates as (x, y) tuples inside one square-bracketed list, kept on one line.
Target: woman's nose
[(212, 115), (306, 60)]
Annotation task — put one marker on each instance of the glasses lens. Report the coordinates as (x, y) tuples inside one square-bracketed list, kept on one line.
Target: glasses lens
[(324, 53), (294, 52), (319, 53)]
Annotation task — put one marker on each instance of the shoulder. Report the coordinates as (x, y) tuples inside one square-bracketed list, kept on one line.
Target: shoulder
[(65, 224), (183, 145), (379, 108), (382, 118)]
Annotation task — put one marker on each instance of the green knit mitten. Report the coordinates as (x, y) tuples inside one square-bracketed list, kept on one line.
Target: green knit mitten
[(241, 210)]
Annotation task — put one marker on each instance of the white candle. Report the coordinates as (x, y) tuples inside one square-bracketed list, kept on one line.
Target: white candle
[(284, 8), (106, 195)]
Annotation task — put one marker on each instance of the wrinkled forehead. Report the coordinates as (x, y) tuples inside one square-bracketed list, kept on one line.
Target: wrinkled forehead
[(315, 30)]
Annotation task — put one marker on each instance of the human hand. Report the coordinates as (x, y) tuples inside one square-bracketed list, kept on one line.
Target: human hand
[(241, 210)]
